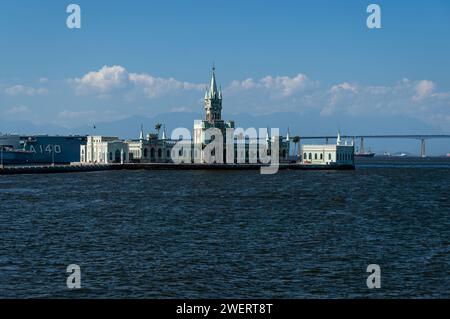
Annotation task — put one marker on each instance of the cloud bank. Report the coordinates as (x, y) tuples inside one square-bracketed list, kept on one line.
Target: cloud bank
[(117, 78), (113, 92)]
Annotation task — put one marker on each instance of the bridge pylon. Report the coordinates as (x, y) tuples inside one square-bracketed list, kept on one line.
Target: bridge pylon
[(422, 148)]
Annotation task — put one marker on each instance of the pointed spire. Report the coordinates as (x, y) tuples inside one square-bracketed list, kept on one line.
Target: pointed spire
[(288, 135), (164, 132), (141, 135), (338, 139), (213, 86)]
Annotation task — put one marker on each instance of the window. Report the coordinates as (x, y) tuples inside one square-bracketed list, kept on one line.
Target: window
[(110, 156), (315, 156), (152, 152), (310, 156), (329, 156), (168, 153), (305, 156), (159, 153), (145, 152), (321, 156), (117, 156)]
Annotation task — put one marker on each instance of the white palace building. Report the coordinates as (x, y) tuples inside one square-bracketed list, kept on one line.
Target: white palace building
[(328, 154), (155, 149)]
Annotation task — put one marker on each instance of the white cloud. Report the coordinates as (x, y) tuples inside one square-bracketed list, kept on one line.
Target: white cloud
[(285, 85), (109, 79), (415, 99), (423, 89), (17, 110), (345, 86), (25, 90), (278, 86), (154, 86), (102, 81)]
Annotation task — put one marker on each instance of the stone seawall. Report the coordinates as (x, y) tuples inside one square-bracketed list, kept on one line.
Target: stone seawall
[(49, 169)]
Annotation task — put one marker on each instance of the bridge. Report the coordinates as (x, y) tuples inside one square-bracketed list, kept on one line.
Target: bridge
[(421, 137)]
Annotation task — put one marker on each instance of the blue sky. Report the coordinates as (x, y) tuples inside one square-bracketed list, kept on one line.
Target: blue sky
[(145, 58)]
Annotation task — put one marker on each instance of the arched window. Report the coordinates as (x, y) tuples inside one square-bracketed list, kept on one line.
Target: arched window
[(305, 156), (159, 152), (321, 156), (315, 156), (310, 156), (110, 156), (329, 156), (284, 153), (145, 152), (168, 153), (152, 152)]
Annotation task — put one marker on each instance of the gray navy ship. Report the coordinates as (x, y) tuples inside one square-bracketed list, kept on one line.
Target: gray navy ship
[(40, 149)]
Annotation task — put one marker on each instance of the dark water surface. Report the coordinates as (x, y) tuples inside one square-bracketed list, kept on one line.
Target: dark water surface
[(194, 234)]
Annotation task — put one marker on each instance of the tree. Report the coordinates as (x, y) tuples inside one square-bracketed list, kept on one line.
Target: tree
[(158, 127)]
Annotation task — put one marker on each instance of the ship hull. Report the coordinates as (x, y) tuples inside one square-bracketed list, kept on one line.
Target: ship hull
[(15, 157), (43, 149), (364, 155)]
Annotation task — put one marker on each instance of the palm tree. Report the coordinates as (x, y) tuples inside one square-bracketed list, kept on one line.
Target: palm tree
[(158, 127), (296, 141)]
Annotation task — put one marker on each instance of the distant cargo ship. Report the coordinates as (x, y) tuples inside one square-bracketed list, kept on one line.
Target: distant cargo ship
[(40, 149), (365, 154)]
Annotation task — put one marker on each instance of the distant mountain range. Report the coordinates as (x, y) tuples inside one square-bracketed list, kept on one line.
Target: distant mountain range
[(299, 124)]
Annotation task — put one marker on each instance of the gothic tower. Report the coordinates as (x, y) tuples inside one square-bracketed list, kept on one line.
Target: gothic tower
[(213, 101)]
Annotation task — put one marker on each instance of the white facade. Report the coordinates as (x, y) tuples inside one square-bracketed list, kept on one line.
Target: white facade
[(104, 150), (328, 154), (107, 150)]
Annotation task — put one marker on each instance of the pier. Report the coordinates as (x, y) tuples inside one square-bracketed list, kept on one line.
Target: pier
[(76, 168)]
